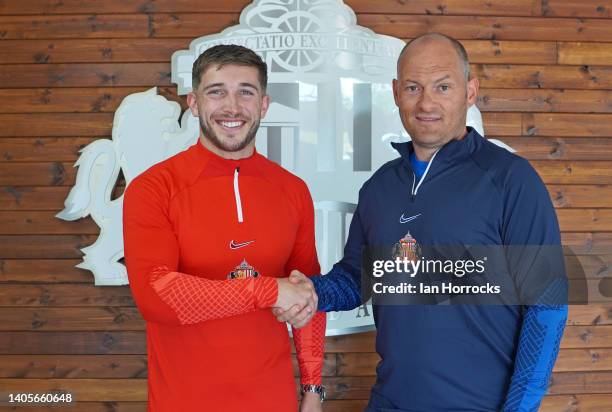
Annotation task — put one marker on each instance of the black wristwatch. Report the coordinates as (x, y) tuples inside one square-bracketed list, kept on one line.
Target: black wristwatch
[(316, 389)]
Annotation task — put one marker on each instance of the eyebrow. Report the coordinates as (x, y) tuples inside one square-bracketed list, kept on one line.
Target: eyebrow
[(249, 85), (443, 78), (436, 81), (210, 86)]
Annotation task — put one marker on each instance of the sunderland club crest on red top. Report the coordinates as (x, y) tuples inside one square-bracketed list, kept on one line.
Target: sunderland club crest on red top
[(243, 271)]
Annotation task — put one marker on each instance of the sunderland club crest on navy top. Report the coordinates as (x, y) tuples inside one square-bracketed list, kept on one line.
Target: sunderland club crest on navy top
[(407, 248), (330, 122)]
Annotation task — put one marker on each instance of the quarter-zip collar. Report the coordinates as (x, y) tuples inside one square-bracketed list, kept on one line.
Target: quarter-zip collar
[(217, 166), (449, 153)]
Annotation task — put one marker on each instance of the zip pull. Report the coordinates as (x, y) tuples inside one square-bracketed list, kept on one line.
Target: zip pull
[(422, 179), (237, 196)]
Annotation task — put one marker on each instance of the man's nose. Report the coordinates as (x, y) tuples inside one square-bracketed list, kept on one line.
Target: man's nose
[(232, 104), (426, 101)]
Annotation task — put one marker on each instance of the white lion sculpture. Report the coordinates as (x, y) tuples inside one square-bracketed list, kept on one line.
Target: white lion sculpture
[(145, 131)]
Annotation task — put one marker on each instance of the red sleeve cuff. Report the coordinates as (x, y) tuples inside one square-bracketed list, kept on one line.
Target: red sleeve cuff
[(265, 291)]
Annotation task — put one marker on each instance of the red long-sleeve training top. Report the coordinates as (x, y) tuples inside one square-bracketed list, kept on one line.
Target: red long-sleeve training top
[(204, 239)]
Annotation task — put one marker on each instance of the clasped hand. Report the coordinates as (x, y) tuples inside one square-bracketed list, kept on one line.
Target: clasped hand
[(297, 300)]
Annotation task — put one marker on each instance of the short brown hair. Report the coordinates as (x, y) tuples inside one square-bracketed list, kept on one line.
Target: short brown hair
[(224, 54)]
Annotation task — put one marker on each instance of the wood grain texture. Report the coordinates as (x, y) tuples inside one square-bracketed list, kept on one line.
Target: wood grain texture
[(587, 243), (108, 26), (585, 53), (543, 77), (73, 343), (566, 124), (469, 7), (577, 8), (545, 100), (479, 27), (44, 247), (551, 148), (51, 198), (47, 271), (138, 50), (72, 100), (183, 25), (65, 295), (85, 75), (56, 124), (576, 403)]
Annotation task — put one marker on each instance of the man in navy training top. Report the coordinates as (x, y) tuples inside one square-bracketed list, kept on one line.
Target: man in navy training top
[(450, 186)]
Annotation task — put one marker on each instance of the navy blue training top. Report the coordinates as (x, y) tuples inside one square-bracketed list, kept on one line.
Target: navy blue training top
[(446, 358)]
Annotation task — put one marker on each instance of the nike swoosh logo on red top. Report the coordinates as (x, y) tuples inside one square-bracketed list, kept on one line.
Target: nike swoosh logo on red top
[(234, 245)]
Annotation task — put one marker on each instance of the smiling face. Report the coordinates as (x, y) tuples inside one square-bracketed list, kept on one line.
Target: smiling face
[(229, 102), (432, 93)]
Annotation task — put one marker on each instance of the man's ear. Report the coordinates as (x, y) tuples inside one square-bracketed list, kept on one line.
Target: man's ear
[(192, 102), (396, 92), (472, 91), (265, 105)]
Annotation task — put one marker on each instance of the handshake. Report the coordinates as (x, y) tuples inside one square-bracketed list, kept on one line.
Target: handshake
[(297, 300)]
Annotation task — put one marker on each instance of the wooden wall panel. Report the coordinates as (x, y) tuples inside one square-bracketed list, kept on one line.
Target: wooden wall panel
[(465, 7), (577, 8), (545, 70)]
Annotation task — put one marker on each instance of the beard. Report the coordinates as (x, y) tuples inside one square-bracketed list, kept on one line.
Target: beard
[(232, 146)]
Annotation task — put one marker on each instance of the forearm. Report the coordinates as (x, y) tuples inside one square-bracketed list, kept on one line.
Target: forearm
[(538, 348), (337, 291), (309, 344), (194, 299)]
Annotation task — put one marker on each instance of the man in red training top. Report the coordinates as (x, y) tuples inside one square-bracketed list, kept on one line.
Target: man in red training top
[(210, 236)]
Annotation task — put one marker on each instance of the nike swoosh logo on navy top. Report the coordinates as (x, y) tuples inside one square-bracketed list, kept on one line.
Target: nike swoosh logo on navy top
[(408, 219), (234, 245)]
